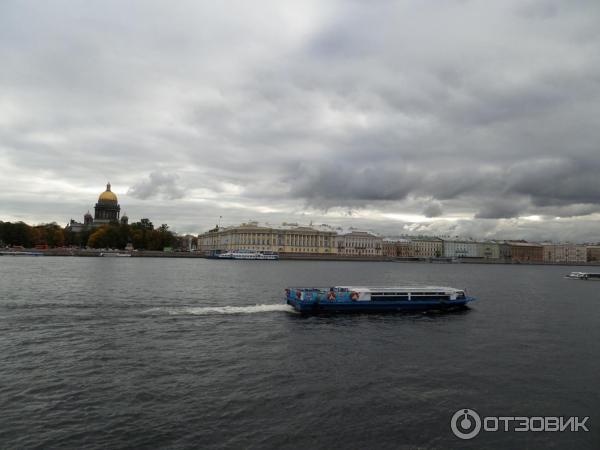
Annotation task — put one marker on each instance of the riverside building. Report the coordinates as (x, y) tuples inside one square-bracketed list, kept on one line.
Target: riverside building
[(565, 253), (488, 250), (593, 253), (426, 247), (505, 251), (287, 238), (359, 243), (401, 248), (526, 252), (461, 249)]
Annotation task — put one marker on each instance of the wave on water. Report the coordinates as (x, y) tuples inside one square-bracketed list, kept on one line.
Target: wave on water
[(208, 310)]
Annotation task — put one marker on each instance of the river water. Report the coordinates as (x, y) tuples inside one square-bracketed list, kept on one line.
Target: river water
[(192, 353)]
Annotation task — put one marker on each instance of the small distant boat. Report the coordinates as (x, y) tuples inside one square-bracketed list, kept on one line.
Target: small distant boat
[(583, 276), (21, 253), (248, 254), (375, 299), (115, 254)]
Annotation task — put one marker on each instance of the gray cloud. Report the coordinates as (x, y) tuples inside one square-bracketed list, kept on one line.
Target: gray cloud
[(433, 209), (157, 184), (501, 209), (281, 110)]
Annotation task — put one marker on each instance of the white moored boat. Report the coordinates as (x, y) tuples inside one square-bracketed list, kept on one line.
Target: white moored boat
[(583, 276), (248, 254)]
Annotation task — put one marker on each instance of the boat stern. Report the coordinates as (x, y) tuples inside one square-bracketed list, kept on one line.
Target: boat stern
[(301, 299), (468, 300)]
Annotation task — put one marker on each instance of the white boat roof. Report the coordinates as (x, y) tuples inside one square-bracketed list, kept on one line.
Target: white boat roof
[(398, 288)]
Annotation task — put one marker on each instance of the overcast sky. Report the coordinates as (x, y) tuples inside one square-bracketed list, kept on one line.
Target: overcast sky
[(453, 117)]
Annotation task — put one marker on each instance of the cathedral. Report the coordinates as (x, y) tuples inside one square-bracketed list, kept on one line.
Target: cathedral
[(107, 210)]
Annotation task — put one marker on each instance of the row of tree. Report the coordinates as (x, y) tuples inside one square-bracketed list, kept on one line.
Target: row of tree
[(20, 233), (142, 235)]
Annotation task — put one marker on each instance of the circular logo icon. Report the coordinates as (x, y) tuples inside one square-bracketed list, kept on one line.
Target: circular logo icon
[(465, 423)]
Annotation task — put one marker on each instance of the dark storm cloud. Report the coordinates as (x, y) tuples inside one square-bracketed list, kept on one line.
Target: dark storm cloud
[(340, 183), (297, 110), (501, 209), (157, 184), (557, 181), (433, 209)]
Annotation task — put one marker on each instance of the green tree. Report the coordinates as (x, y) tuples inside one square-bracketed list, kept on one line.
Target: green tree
[(143, 224), (108, 236), (18, 233), (144, 239), (49, 234), (98, 238)]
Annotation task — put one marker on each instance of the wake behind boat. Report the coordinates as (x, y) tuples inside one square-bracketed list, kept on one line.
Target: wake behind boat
[(375, 299), (583, 276), (248, 254)]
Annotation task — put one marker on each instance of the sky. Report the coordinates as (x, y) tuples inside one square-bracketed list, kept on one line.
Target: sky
[(446, 117)]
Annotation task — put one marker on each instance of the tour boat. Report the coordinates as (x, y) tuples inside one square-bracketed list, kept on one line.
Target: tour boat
[(375, 299), (248, 254), (584, 276)]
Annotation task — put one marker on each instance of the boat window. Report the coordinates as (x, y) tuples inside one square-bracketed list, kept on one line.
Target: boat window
[(390, 297), (422, 296)]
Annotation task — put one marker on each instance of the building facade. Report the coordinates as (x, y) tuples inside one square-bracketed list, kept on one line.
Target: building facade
[(427, 247), (488, 250), (549, 253), (401, 248), (505, 251), (461, 249), (565, 253), (526, 252), (284, 239), (593, 253), (359, 243)]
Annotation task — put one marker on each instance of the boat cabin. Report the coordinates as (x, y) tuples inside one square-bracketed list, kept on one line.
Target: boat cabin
[(410, 293)]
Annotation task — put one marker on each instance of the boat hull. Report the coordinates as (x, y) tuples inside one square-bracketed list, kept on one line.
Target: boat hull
[(320, 307), (229, 258), (584, 276)]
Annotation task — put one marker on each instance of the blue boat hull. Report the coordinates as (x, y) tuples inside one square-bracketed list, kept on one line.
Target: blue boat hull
[(319, 307)]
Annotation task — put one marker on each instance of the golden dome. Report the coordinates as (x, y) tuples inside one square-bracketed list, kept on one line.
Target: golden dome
[(108, 195)]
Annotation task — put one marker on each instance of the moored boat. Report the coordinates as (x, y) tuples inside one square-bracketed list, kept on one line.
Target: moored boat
[(248, 254), (583, 276), (20, 253), (375, 299), (115, 254)]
